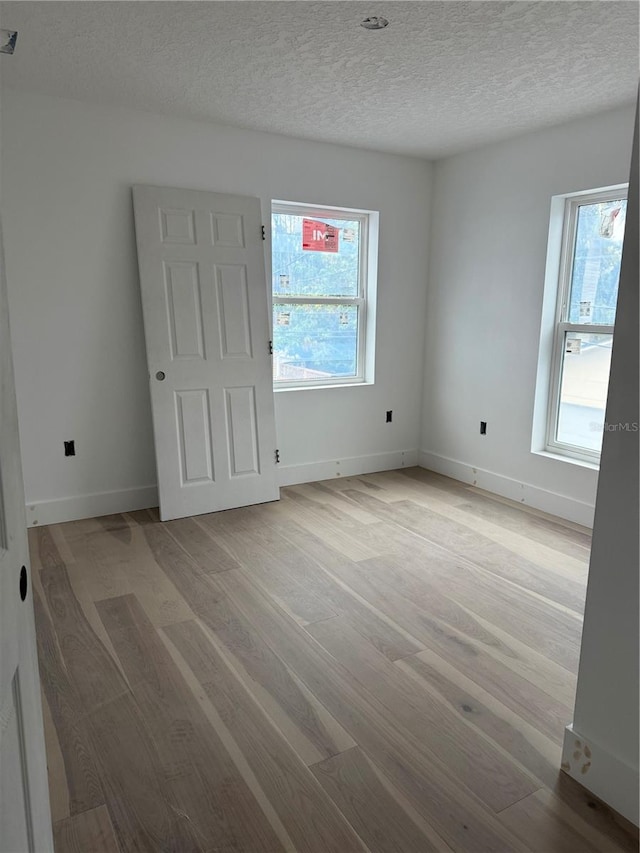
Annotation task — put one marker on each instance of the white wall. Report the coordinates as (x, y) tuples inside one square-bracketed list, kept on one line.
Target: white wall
[(606, 712), (490, 220), (75, 308)]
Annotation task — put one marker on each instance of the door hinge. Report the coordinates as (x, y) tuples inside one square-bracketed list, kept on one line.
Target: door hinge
[(264, 236), (270, 347), (277, 457)]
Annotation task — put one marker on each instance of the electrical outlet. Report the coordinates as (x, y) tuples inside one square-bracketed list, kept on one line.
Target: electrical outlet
[(389, 416), (69, 448), (483, 427)]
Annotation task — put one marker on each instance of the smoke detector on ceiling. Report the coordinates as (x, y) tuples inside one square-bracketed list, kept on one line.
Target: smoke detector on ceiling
[(374, 23)]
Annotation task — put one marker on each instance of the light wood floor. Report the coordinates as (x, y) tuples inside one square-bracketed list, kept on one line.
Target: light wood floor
[(383, 663)]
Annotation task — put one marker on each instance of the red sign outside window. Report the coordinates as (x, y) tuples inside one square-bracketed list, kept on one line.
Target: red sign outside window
[(318, 236)]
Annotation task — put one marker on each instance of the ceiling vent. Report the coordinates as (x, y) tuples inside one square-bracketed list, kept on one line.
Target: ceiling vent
[(374, 23)]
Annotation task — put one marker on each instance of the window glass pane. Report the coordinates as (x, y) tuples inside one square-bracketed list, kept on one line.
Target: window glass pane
[(314, 342), (596, 262), (583, 389), (314, 256)]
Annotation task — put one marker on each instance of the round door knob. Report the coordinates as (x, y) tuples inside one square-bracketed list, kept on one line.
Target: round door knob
[(23, 583), (160, 375)]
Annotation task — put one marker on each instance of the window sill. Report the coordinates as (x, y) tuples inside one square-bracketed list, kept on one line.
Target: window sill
[(359, 384), (560, 457)]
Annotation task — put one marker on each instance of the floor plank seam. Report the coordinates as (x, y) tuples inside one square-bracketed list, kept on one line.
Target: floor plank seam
[(521, 799), (317, 621)]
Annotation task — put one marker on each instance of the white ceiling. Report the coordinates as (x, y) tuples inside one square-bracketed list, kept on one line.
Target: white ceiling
[(442, 77)]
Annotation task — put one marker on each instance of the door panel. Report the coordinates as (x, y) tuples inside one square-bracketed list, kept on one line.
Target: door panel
[(233, 311), (177, 226), (242, 428), (194, 435), (184, 310), (227, 229), (205, 305)]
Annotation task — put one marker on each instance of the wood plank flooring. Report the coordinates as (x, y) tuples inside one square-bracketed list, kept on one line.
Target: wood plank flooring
[(381, 664)]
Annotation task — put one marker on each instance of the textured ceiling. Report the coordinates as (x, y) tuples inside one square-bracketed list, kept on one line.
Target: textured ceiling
[(442, 77)]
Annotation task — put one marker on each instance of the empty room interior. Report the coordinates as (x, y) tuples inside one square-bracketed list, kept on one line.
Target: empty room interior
[(319, 427)]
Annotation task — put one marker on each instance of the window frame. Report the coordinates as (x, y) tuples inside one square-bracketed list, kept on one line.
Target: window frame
[(361, 301), (562, 325)]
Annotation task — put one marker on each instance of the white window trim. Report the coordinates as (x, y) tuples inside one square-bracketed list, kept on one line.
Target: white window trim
[(365, 300), (562, 325)]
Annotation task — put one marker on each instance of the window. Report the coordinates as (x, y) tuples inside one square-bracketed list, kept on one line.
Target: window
[(322, 295), (593, 232)]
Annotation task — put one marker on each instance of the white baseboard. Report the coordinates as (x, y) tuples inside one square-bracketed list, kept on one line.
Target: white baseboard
[(104, 503), (604, 774), (311, 472), (542, 499), (87, 506)]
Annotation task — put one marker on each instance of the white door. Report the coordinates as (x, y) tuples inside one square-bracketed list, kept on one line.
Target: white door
[(25, 819), (204, 300)]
